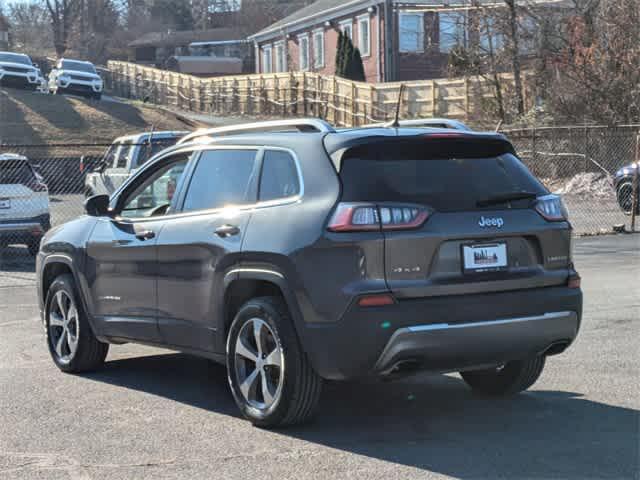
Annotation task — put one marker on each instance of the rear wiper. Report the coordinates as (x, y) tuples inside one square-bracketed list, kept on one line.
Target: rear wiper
[(505, 197)]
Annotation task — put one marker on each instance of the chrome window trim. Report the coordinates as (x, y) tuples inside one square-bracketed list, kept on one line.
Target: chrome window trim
[(199, 149)]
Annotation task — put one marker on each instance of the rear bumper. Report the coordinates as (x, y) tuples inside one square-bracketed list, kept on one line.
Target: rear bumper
[(24, 229), (443, 334), (456, 347)]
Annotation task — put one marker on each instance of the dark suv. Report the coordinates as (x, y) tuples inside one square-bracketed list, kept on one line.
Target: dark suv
[(294, 253)]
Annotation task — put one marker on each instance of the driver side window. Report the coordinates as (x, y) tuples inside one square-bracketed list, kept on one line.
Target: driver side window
[(154, 197)]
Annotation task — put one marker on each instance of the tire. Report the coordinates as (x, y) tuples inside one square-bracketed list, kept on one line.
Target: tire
[(34, 247), (294, 387), (624, 195), (514, 377), (89, 353)]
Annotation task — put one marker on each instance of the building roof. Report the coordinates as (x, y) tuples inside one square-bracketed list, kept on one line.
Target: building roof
[(185, 37), (315, 9), (327, 9)]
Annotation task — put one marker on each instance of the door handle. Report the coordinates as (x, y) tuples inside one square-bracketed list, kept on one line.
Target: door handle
[(145, 235), (227, 231)]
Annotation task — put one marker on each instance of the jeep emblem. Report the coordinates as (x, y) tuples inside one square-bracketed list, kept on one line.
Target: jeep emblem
[(491, 222)]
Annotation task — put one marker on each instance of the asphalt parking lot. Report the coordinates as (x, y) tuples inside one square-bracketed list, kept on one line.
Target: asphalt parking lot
[(161, 415)]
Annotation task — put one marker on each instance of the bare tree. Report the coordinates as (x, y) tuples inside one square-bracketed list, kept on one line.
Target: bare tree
[(30, 27), (62, 15)]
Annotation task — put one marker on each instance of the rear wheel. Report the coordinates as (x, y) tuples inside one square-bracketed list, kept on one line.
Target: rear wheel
[(508, 379), (271, 378), (72, 344), (624, 194)]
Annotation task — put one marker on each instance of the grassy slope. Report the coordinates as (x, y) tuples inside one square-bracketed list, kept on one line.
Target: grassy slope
[(34, 118)]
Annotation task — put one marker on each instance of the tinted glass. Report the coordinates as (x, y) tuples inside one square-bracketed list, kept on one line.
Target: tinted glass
[(123, 155), (147, 151), (15, 172), (77, 66), (156, 194), (222, 177), (15, 58), (445, 184), (279, 176)]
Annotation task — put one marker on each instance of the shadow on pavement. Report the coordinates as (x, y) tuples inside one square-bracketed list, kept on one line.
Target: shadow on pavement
[(15, 258), (432, 423)]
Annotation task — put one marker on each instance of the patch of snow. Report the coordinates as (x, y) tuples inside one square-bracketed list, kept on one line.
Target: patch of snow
[(591, 183)]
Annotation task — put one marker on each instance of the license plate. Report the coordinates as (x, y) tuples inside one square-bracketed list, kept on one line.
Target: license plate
[(484, 257), (5, 203)]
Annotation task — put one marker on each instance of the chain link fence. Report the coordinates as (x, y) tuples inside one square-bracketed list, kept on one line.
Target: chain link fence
[(591, 167), (579, 163)]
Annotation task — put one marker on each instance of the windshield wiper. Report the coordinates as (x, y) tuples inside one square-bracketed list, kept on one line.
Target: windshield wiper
[(505, 197)]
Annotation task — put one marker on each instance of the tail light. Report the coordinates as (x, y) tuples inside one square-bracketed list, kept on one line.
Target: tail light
[(37, 185), (574, 281), (552, 208), (81, 164), (362, 217)]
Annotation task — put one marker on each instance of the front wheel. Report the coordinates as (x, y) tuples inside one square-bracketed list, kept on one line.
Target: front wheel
[(508, 379), (624, 195), (72, 344), (271, 378)]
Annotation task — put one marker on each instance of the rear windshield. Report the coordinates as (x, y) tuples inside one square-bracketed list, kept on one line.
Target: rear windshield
[(15, 58), (15, 172), (447, 185), (77, 66)]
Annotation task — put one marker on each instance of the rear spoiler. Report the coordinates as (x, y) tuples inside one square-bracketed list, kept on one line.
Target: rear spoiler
[(436, 145)]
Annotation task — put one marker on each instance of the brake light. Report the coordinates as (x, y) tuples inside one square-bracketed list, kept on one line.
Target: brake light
[(82, 165), (574, 281), (362, 217), (552, 208), (376, 300), (37, 186)]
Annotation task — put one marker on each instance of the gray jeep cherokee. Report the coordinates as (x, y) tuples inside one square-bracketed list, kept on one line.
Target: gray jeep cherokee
[(294, 253)]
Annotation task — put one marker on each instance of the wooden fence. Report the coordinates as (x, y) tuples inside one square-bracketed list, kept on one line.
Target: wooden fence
[(340, 101)]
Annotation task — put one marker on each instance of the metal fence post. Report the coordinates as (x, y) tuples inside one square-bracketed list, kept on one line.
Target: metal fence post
[(636, 174)]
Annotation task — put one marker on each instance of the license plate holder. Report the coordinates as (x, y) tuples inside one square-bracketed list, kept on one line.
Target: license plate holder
[(484, 257), (5, 203)]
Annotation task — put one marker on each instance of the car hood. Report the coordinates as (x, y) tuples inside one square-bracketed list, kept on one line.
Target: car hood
[(19, 65), (88, 76)]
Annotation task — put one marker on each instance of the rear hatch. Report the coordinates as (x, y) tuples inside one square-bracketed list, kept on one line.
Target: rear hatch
[(459, 213), (18, 182)]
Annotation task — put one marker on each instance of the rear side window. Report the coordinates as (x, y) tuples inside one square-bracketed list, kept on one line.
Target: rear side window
[(450, 184), (279, 177), (221, 178), (147, 151), (15, 172), (123, 155)]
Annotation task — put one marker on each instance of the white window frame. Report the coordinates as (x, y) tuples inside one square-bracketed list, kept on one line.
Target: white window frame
[(347, 25), (267, 51), (280, 63), (364, 19), (420, 45), (303, 38), (318, 53)]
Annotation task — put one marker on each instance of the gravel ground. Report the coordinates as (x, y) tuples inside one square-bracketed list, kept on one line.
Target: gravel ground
[(153, 414)]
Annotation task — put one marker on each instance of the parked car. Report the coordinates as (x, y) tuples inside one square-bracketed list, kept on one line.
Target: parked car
[(294, 253), (24, 203), (17, 70), (623, 183), (123, 157), (77, 77)]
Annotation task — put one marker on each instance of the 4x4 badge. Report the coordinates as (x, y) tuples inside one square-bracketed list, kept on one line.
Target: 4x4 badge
[(491, 222)]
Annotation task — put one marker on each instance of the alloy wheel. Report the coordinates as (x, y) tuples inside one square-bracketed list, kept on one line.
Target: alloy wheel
[(259, 364), (64, 326)]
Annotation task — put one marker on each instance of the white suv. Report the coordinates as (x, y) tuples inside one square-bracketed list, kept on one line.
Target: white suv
[(24, 203), (74, 76), (17, 69)]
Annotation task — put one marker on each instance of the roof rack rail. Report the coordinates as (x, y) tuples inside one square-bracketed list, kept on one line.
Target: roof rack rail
[(424, 122), (301, 124)]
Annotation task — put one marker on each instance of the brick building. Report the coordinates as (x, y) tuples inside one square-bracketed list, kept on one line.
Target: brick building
[(415, 44)]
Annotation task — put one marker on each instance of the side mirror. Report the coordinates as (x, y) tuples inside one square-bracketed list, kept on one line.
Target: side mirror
[(97, 206)]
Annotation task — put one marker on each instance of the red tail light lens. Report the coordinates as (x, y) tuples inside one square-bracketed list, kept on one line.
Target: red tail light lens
[(552, 208), (376, 300), (362, 217)]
